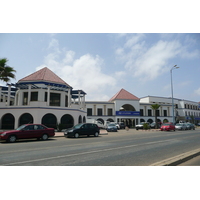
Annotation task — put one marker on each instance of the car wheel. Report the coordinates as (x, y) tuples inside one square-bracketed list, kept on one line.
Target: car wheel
[(76, 135), (12, 138), (45, 137), (96, 134)]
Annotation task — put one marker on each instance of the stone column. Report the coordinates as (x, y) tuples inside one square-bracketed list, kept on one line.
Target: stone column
[(104, 112), (79, 98), (69, 98), (29, 94), (8, 97), (48, 95)]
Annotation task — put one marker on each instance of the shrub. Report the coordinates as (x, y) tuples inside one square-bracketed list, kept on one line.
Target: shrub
[(146, 126)]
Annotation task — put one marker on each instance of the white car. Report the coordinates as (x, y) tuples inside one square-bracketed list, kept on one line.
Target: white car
[(140, 126)]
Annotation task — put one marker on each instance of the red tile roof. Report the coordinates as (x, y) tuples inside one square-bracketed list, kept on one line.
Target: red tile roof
[(124, 95), (44, 74)]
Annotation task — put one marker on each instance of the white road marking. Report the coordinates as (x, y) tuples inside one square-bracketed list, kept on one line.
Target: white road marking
[(84, 153)]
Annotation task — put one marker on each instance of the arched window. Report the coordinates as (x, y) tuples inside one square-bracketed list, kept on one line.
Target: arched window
[(127, 107), (49, 120), (25, 118), (67, 121), (8, 121)]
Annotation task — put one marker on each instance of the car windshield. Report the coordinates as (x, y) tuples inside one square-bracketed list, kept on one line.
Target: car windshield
[(111, 124), (77, 126), (166, 124), (21, 127), (178, 124)]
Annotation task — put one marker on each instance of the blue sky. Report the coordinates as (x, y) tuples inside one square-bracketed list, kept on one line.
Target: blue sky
[(103, 46), (103, 63)]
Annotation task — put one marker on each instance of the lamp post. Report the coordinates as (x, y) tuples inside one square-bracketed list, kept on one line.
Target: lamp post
[(174, 67)]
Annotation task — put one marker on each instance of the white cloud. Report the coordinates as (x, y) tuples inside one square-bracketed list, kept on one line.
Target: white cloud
[(197, 92), (82, 73), (120, 74), (147, 63)]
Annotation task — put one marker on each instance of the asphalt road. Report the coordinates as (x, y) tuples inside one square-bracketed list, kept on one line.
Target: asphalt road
[(124, 148)]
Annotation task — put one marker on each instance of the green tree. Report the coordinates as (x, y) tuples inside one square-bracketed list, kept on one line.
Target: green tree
[(155, 107), (6, 72)]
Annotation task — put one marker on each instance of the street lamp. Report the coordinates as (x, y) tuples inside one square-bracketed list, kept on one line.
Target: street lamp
[(174, 67)]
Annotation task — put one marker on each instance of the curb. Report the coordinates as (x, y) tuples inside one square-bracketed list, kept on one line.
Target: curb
[(176, 160)]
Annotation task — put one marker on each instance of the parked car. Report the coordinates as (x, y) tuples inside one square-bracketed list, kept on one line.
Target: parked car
[(141, 125), (116, 124), (82, 129), (190, 126), (122, 125), (153, 125), (111, 128), (181, 126), (28, 131), (167, 127)]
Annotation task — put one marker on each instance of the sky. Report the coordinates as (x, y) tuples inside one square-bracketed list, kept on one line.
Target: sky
[(101, 64), (101, 47)]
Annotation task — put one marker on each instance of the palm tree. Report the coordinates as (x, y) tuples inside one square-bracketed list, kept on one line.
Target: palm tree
[(155, 107), (6, 72)]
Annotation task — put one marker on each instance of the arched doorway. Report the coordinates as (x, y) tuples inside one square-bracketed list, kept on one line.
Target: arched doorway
[(67, 121), (101, 120), (80, 119), (49, 120), (165, 120), (25, 118), (84, 119), (8, 121), (150, 121), (110, 120), (142, 120)]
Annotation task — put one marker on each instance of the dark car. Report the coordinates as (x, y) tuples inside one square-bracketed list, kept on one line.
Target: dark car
[(153, 125), (167, 127), (82, 129), (111, 128), (28, 131), (190, 126), (121, 125)]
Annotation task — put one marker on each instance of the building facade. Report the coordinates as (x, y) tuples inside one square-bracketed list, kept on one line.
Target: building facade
[(127, 108), (44, 98)]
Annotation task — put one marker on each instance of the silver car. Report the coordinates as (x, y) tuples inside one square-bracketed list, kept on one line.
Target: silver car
[(180, 126)]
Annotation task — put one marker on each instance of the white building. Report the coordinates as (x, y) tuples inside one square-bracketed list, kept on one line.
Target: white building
[(44, 98), (125, 107), (41, 97)]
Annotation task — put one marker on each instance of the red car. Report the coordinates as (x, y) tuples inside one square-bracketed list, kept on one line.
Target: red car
[(167, 127), (28, 131)]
